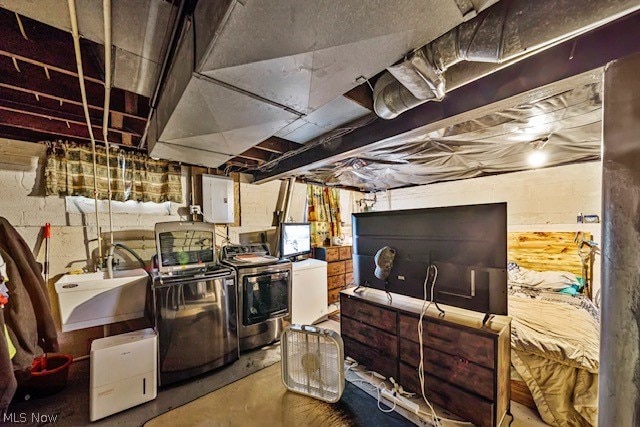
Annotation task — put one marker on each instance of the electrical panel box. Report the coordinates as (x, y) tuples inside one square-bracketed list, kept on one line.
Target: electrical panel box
[(218, 204)]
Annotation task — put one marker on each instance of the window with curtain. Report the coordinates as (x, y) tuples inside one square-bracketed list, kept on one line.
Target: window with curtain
[(134, 176), (323, 213)]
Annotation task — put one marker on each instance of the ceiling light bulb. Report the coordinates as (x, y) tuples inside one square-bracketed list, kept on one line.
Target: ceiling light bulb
[(537, 158)]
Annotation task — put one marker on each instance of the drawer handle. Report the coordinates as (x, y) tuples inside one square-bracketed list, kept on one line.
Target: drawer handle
[(363, 313), (462, 360)]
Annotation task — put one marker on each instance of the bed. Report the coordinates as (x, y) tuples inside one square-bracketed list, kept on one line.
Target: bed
[(555, 336)]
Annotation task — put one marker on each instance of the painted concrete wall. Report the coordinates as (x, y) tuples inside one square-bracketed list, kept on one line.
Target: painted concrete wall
[(537, 200), (542, 196), (22, 202), (619, 379)]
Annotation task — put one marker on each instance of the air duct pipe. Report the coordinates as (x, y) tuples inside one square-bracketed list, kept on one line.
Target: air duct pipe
[(504, 33)]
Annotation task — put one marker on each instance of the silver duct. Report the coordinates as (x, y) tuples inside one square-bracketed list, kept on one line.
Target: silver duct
[(506, 32)]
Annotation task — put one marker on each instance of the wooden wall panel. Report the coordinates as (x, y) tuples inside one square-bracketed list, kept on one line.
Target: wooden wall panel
[(545, 251)]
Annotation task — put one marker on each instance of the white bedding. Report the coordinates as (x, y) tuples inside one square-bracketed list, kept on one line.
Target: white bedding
[(548, 280), (555, 348)]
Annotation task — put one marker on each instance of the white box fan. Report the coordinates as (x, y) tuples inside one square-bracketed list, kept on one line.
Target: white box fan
[(313, 362)]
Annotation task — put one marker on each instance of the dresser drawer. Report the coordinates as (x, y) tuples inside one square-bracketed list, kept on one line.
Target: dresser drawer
[(348, 266), (334, 268), (474, 378), (335, 282), (370, 358), (329, 253), (365, 334), (471, 407), (345, 252), (370, 314), (348, 278), (472, 347)]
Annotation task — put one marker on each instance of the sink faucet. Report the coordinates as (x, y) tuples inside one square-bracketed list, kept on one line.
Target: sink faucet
[(109, 260)]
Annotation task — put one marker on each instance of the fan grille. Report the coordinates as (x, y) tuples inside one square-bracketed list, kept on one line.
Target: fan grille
[(313, 363)]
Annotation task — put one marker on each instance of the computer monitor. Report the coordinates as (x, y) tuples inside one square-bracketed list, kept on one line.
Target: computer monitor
[(295, 240)]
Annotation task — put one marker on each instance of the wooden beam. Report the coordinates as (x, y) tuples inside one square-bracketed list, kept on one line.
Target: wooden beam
[(54, 107), (256, 154), (243, 163), (46, 46), (277, 145), (117, 120), (31, 79), (361, 95), (57, 115), (131, 102), (21, 134), (29, 135), (55, 128)]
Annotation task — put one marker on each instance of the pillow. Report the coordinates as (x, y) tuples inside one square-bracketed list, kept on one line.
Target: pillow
[(551, 280)]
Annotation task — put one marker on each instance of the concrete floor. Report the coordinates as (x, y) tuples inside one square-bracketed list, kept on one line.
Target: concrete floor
[(70, 407)]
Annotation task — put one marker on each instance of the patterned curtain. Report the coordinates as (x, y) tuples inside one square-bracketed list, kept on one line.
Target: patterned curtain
[(69, 172), (323, 213)]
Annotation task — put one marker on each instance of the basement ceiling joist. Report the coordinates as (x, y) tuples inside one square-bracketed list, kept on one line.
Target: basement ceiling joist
[(33, 79), (46, 46), (40, 93), (588, 52)]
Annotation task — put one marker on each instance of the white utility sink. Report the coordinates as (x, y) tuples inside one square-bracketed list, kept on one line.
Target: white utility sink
[(92, 299)]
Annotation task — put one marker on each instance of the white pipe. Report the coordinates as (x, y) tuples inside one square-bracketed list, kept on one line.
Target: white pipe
[(76, 45), (107, 99)]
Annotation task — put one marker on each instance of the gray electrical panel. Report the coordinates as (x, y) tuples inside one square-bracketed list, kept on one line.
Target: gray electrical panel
[(218, 199)]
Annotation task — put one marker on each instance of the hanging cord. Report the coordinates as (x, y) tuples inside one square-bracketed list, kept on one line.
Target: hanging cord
[(377, 384), (425, 307)]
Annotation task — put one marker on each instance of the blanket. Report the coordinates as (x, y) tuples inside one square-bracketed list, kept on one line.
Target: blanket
[(27, 315), (555, 349), (8, 384)]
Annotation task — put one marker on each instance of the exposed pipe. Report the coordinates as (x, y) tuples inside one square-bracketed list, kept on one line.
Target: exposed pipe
[(106, 6), (287, 199), (106, 12), (85, 106), (133, 253), (504, 33)]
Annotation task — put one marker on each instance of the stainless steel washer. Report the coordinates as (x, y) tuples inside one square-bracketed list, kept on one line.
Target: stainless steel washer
[(194, 302)]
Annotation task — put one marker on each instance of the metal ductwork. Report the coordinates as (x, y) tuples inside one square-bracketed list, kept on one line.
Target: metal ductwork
[(246, 70), (504, 33)]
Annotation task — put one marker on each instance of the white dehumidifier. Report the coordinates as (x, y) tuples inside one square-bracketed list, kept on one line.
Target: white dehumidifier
[(123, 372)]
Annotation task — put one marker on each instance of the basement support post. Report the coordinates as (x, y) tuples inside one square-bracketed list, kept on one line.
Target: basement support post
[(619, 380)]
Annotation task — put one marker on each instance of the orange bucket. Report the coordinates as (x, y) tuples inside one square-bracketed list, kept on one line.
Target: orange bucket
[(49, 375)]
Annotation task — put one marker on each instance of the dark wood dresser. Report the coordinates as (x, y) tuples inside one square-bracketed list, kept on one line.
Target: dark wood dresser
[(339, 268), (466, 364)]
